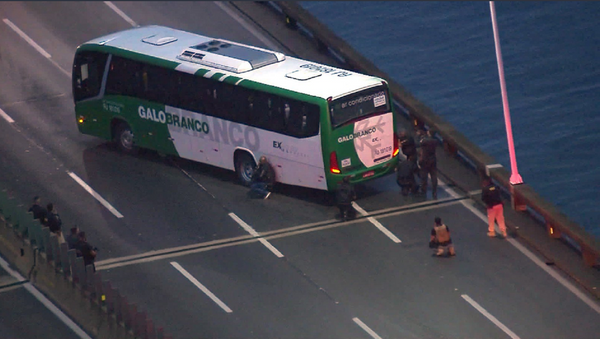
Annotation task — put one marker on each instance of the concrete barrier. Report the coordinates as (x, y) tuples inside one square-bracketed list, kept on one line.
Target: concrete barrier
[(56, 271), (523, 197)]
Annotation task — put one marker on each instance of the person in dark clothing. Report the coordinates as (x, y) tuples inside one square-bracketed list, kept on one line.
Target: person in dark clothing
[(73, 238), (344, 195), (86, 251), (407, 144), (490, 194), (428, 162), (405, 175), (38, 211), (54, 222), (440, 234), (263, 178)]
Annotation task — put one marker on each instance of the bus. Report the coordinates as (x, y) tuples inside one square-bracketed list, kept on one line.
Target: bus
[(227, 104)]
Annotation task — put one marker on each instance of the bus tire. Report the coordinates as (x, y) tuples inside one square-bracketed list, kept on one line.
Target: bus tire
[(244, 167), (123, 137)]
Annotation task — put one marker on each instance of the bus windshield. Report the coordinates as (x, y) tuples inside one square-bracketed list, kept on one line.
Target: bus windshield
[(353, 106)]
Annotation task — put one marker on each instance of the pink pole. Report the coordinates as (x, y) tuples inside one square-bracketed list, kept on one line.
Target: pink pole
[(515, 178)]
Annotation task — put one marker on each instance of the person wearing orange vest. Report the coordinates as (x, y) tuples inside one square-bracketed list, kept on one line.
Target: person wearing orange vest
[(441, 234)]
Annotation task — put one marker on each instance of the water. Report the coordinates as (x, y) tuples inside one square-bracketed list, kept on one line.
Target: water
[(444, 54)]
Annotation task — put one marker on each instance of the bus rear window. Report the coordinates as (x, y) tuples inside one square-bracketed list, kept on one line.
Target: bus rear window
[(371, 101)]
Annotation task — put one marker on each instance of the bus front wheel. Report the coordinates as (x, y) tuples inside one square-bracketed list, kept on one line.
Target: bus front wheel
[(124, 139), (244, 167)]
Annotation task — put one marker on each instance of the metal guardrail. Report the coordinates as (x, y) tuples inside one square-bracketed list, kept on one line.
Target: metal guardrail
[(523, 197)]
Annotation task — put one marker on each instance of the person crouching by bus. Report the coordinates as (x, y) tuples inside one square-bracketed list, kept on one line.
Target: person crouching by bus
[(344, 195), (405, 175), (263, 179), (441, 235)]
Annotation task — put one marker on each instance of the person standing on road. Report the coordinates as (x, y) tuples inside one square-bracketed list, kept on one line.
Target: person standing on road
[(407, 144), (344, 195), (428, 162), (441, 235), (55, 223), (490, 195), (405, 175), (263, 178), (86, 251), (73, 238), (38, 211)]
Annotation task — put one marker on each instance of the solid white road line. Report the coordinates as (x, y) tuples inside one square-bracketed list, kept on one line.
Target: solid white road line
[(376, 223), (95, 195), (246, 25), (366, 328), (253, 233), (201, 287), (35, 45), (27, 38), (41, 298), (553, 273), (121, 13), (6, 116), (490, 317), (589, 301)]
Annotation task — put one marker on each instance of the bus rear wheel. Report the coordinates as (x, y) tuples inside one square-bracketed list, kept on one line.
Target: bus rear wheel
[(123, 137), (244, 168)]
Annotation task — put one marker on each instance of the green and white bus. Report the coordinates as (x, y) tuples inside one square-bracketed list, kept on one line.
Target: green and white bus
[(226, 104)]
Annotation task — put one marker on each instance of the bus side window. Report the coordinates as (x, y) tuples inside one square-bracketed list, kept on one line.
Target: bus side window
[(125, 78), (310, 120), (275, 114), (191, 93), (303, 120), (88, 69), (261, 113), (160, 85)]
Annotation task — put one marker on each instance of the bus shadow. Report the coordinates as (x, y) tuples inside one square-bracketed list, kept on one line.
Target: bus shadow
[(95, 158), (295, 192)]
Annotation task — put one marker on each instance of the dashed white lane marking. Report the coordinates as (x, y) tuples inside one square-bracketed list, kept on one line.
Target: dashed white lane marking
[(95, 195), (552, 272), (120, 13), (252, 232), (366, 328), (27, 38), (201, 287), (41, 298), (6, 116), (34, 45), (376, 223), (490, 317), (246, 25)]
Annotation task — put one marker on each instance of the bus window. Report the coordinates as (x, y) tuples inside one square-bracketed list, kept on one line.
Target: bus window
[(125, 78), (358, 105), (190, 93), (160, 85), (275, 114), (88, 69), (303, 120)]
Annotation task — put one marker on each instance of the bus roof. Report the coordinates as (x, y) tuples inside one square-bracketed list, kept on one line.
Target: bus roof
[(192, 52)]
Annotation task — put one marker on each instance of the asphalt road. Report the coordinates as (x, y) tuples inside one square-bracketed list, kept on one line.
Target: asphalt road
[(311, 276), (27, 313)]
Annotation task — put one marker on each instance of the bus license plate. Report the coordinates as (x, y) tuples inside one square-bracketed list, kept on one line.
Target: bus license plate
[(368, 174)]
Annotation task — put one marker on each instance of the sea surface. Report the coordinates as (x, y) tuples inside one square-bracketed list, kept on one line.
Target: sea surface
[(444, 54)]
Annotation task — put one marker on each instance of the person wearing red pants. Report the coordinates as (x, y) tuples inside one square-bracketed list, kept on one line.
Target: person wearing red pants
[(495, 209)]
